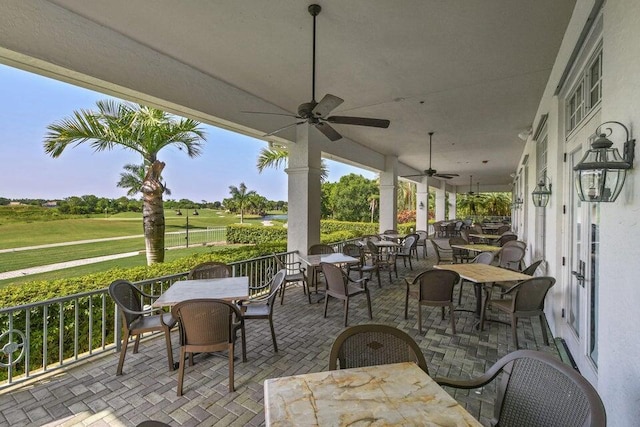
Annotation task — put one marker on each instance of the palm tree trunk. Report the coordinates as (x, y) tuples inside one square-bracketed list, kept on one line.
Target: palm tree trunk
[(153, 213)]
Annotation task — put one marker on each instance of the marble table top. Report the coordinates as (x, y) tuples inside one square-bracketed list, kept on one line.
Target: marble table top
[(483, 273), (227, 288), (338, 258), (400, 394), (478, 248)]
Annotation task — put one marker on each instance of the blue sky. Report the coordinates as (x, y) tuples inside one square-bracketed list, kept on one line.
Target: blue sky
[(29, 102)]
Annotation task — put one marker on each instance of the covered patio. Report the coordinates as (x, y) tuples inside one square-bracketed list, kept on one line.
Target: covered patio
[(91, 394), (514, 92)]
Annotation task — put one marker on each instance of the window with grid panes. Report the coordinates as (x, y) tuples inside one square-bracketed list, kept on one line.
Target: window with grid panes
[(595, 80), (587, 93)]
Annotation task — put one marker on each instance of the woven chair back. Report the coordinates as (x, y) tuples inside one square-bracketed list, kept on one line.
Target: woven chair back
[(437, 285), (210, 270), (531, 293), (126, 295), (371, 345), (320, 249)]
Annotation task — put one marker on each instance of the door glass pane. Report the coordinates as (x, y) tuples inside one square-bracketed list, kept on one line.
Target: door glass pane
[(576, 247), (594, 282)]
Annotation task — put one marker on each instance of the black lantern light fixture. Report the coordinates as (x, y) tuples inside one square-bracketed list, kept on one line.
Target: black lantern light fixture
[(542, 193), (600, 174), (421, 205)]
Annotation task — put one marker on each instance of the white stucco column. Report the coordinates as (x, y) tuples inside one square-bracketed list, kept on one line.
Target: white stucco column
[(452, 204), (388, 194), (422, 204), (303, 192), (440, 201)]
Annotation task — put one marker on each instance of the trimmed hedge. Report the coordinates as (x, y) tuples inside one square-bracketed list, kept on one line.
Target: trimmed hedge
[(37, 291)]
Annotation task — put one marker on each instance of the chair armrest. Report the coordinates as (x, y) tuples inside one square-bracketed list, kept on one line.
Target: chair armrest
[(129, 311), (476, 382), (148, 295)]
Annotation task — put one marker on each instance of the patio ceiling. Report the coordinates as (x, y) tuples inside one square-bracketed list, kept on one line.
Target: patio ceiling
[(471, 70)]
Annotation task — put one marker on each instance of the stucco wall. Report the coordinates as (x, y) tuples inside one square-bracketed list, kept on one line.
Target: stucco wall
[(619, 343)]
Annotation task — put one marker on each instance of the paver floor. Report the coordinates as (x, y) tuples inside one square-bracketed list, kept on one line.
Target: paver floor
[(90, 394)]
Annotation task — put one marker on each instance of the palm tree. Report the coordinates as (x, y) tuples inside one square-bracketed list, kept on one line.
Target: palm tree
[(276, 156), (138, 128), (241, 197), (132, 179)]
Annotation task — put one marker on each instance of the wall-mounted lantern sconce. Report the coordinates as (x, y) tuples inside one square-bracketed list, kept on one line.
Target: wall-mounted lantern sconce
[(517, 203), (421, 206), (541, 194), (600, 174)]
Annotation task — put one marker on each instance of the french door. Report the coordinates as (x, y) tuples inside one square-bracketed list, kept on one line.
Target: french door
[(580, 322)]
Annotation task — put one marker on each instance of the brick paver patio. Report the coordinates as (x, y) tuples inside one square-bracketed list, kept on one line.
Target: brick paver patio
[(90, 394)]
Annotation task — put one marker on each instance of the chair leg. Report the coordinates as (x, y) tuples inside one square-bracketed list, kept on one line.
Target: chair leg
[(135, 346), (232, 387), (273, 334), (460, 293), (514, 330), (419, 317), (181, 370), (346, 310), (442, 313), (284, 287), (410, 265), (453, 319), (379, 281), (543, 324), (123, 352), (369, 304), (406, 305), (167, 335), (326, 303)]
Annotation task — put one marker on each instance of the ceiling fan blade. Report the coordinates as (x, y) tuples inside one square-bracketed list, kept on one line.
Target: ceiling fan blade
[(412, 176), (284, 128), (326, 105), (446, 175), (328, 131), (360, 121), (272, 114)]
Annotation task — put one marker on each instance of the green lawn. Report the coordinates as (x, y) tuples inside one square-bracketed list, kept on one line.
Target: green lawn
[(135, 261), (21, 234)]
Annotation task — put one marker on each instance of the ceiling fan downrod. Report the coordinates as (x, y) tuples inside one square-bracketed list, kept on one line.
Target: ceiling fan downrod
[(314, 10)]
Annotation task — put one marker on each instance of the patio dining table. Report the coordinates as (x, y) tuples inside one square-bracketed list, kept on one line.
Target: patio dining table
[(313, 262), (483, 274), (226, 288), (395, 394)]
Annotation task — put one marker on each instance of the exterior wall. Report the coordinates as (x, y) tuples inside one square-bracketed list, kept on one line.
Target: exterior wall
[(619, 342), (619, 296)]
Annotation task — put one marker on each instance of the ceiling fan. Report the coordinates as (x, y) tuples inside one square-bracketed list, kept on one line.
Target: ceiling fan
[(432, 172), (315, 113), (471, 193)]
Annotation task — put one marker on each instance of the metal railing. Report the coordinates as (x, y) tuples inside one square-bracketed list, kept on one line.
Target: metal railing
[(195, 237), (49, 335)]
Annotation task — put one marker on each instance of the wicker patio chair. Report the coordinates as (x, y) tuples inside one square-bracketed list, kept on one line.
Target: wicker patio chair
[(296, 273), (341, 287), (538, 390), (206, 325), (507, 237), (366, 264), (432, 288), (210, 270), (371, 345), (406, 250), (443, 255), (460, 255), (423, 237), (320, 249), (262, 307), (527, 300), (531, 270), (503, 229), (383, 260), (510, 257), (137, 320)]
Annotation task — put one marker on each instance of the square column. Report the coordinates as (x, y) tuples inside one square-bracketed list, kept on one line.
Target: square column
[(388, 194), (422, 205), (304, 192), (440, 201), (452, 204)]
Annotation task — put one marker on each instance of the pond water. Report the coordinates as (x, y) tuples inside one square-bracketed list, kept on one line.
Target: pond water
[(282, 217)]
